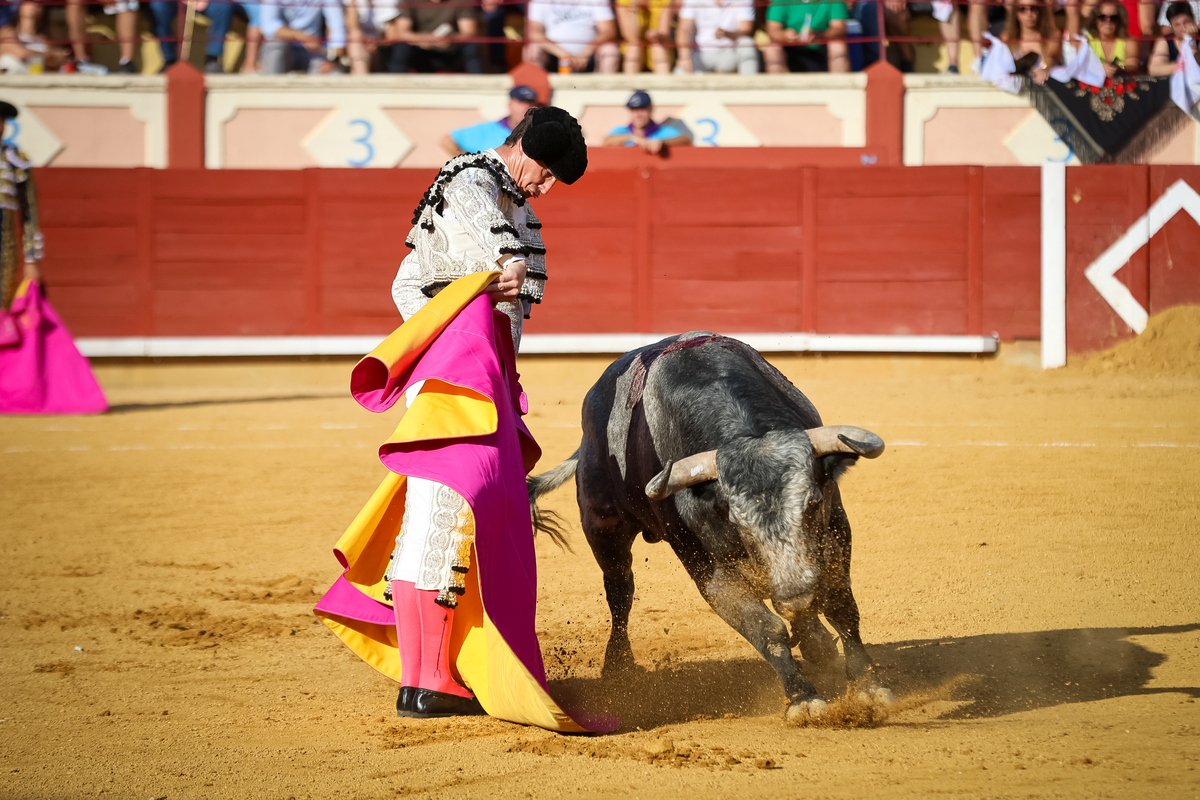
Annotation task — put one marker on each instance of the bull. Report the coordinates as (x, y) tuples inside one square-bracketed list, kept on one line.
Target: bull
[(698, 441)]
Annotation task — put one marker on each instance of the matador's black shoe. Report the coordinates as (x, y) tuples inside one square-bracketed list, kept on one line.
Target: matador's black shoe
[(404, 701), (426, 703)]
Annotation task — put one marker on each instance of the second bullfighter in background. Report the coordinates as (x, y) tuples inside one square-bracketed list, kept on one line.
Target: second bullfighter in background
[(698, 441)]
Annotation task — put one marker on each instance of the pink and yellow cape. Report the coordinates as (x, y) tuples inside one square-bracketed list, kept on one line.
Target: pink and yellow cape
[(464, 430)]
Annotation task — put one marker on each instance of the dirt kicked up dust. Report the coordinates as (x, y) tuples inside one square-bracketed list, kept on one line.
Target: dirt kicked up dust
[(1025, 563)]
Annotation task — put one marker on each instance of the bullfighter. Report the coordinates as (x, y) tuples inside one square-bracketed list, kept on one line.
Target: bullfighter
[(457, 378)]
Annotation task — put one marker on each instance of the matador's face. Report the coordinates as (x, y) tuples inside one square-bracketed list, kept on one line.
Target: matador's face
[(533, 177)]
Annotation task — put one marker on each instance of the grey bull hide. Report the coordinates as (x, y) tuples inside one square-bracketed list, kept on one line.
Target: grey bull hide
[(698, 441)]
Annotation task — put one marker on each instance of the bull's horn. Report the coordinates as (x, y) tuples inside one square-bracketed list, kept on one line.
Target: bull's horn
[(683, 473), (844, 439)]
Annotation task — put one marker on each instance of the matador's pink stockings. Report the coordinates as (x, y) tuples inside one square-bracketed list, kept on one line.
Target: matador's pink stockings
[(423, 628)]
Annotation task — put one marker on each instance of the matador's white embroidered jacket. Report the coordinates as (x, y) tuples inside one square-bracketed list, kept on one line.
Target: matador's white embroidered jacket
[(473, 218)]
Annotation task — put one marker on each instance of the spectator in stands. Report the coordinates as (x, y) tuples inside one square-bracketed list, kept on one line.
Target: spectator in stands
[(220, 15), (982, 13), (126, 13), (949, 21), (1163, 24), (572, 36), (431, 36), (867, 16), (896, 19), (1077, 27), (490, 135), (651, 20), (807, 36), (292, 33), (1139, 15), (1108, 34), (220, 18), (254, 37), (644, 132), (494, 15), (13, 52), (1030, 29), (367, 23), (717, 36), (1164, 58), (22, 51), (29, 21), (977, 23)]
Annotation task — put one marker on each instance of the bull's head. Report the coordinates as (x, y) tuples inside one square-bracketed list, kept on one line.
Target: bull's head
[(701, 467), (773, 488)]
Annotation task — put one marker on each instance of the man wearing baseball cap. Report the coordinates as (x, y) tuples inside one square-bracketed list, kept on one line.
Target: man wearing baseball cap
[(644, 132), (488, 135)]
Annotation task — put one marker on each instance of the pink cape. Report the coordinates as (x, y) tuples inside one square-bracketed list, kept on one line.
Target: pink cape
[(469, 435), (41, 371)]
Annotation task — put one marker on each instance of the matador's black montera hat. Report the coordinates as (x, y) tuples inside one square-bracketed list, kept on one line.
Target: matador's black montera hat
[(555, 139)]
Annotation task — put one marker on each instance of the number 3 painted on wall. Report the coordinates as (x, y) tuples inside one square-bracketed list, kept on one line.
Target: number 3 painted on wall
[(365, 141), (711, 139)]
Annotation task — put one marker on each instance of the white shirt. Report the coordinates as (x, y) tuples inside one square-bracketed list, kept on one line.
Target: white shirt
[(709, 15), (570, 24), (376, 14)]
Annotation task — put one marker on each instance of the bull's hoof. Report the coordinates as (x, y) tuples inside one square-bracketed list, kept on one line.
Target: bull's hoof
[(876, 694), (804, 711)]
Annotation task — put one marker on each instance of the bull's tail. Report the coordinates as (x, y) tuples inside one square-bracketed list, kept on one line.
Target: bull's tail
[(545, 521)]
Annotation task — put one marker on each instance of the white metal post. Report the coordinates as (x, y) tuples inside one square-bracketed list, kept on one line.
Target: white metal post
[(1054, 265)]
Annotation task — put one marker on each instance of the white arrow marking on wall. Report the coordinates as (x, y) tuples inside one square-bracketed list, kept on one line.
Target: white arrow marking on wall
[(1102, 272)]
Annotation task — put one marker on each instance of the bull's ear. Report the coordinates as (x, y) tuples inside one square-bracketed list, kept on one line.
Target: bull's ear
[(836, 465), (683, 473)]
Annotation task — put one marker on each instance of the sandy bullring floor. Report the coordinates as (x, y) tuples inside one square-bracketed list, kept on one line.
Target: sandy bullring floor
[(1025, 561)]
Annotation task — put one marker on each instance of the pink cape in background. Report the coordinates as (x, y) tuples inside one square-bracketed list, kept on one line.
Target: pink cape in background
[(41, 370)]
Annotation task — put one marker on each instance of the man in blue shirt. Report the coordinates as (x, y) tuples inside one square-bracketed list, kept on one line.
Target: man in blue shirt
[(292, 31), (490, 135), (644, 132)]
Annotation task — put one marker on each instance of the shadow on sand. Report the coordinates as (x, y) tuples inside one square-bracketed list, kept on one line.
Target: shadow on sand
[(126, 408), (1010, 672)]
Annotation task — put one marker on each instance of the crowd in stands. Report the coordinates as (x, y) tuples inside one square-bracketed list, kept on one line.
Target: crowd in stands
[(606, 36), (1035, 37)]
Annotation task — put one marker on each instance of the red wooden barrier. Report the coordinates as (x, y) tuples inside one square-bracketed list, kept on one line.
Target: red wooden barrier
[(1174, 274), (945, 250), (658, 247), (738, 242), (1011, 245), (1102, 204)]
